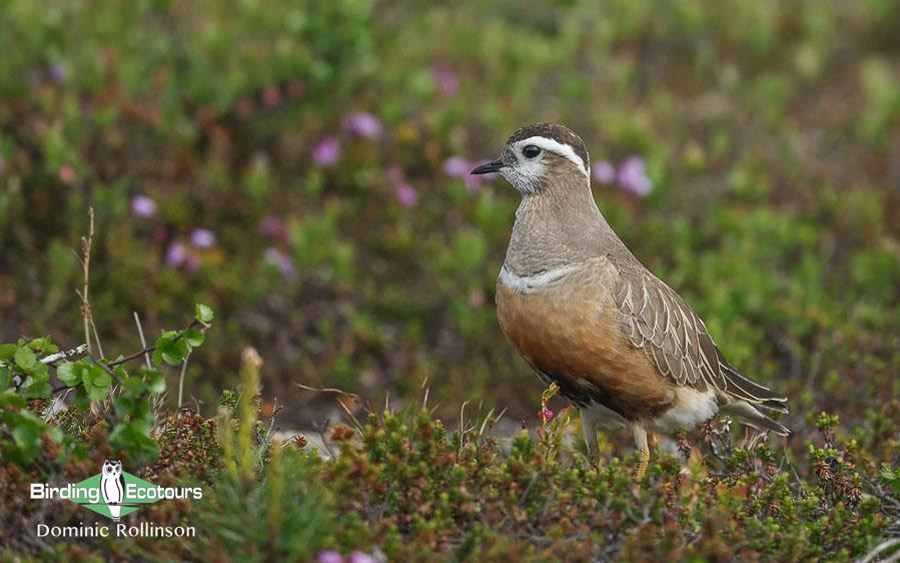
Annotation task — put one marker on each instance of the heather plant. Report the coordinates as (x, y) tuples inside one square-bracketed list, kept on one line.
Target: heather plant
[(302, 169)]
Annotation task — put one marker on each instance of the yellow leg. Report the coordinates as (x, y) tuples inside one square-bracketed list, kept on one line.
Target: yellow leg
[(640, 440)]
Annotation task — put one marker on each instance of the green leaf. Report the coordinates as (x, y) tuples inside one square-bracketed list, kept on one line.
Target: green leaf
[(5, 378), (69, 373), (25, 358), (43, 345), (100, 377), (130, 437), (7, 352), (39, 390), (175, 352), (162, 344), (82, 401), (97, 393), (203, 313), (10, 398), (133, 385), (194, 337), (154, 379)]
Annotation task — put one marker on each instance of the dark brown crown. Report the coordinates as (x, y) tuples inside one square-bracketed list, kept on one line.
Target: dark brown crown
[(559, 133)]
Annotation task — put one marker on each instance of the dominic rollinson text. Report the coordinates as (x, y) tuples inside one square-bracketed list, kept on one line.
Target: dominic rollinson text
[(142, 530)]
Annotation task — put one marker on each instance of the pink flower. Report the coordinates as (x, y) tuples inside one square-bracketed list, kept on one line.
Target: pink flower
[(57, 73), (245, 108), (176, 254), (363, 123), (280, 260), (329, 557), (66, 174), (457, 167), (203, 238), (271, 96), (192, 262), (394, 174), (406, 195), (446, 79), (604, 172), (633, 177), (143, 206), (327, 152), (474, 183), (545, 414), (274, 227), (295, 88), (360, 557)]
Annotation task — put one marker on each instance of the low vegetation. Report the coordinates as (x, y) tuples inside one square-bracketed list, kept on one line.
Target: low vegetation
[(300, 168)]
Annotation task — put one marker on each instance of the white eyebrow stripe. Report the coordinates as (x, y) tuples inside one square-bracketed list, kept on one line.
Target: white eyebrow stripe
[(553, 145)]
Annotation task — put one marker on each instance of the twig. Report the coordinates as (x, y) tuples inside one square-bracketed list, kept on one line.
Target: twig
[(137, 321), (194, 324), (65, 354), (345, 400), (879, 548), (181, 378), (86, 244)]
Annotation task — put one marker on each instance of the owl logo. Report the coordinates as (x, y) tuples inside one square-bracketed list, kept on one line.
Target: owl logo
[(112, 486)]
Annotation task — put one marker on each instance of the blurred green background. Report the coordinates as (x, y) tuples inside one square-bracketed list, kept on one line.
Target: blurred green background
[(300, 166)]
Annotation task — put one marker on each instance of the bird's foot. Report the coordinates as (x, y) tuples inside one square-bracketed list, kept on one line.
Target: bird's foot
[(643, 464)]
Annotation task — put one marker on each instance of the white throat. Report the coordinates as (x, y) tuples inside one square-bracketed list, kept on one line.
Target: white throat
[(534, 281)]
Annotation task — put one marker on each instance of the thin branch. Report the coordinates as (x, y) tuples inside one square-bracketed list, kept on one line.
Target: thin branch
[(116, 363), (86, 244), (137, 321), (65, 354), (181, 378)]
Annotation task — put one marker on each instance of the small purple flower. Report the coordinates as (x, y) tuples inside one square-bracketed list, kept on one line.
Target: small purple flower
[(327, 152), (274, 227), (176, 254), (363, 123), (474, 182), (280, 260), (406, 195), (203, 238), (57, 73), (329, 557), (604, 172), (271, 96), (360, 557), (394, 174), (457, 167), (633, 177), (143, 206), (192, 262), (446, 79)]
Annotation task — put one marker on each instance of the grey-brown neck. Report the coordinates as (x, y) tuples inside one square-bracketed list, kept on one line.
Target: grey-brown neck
[(559, 225)]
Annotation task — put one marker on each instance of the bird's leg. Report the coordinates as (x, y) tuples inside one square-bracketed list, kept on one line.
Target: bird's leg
[(589, 427), (640, 440)]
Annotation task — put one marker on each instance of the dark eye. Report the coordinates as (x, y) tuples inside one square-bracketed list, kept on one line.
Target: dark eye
[(531, 151)]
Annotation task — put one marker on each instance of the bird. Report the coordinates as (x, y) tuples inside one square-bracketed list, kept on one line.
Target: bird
[(582, 310), (112, 485)]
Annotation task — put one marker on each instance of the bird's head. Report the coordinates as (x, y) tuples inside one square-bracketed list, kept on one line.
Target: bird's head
[(539, 157), (112, 467)]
